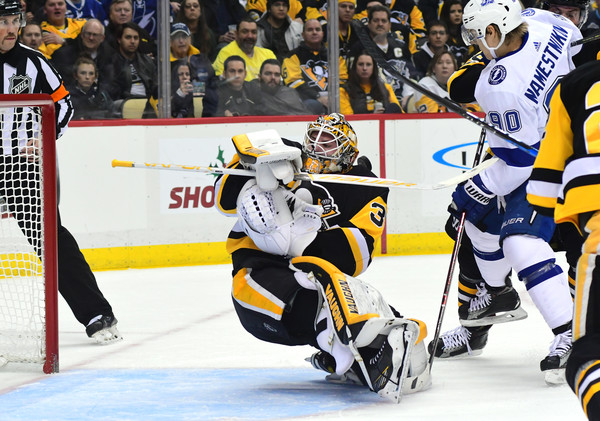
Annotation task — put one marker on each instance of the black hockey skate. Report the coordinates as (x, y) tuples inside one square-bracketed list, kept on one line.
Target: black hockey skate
[(553, 366), (493, 305), (103, 329), (461, 342)]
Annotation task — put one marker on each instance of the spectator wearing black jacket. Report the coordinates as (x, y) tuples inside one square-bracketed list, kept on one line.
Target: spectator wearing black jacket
[(275, 98), (236, 96), (182, 99), (89, 42), (90, 102), (135, 73)]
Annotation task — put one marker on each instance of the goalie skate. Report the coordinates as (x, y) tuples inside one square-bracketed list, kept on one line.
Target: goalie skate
[(103, 330), (388, 368), (553, 366), (492, 306)]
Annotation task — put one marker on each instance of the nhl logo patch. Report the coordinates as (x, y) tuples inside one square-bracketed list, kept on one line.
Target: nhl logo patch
[(19, 84), (497, 75)]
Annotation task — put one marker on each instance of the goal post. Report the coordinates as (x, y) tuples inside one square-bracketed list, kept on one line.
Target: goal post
[(28, 231)]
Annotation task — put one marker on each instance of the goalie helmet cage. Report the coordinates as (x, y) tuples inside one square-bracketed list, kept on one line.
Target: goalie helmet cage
[(28, 241)]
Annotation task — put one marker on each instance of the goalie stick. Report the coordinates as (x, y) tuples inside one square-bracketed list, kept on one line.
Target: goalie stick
[(377, 55), (325, 178)]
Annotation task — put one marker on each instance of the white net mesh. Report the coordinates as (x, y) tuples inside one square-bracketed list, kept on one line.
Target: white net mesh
[(22, 280)]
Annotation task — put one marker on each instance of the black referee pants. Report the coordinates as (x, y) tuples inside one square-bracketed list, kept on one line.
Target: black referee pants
[(19, 186)]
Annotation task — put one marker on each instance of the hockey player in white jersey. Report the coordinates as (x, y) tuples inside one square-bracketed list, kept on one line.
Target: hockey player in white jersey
[(526, 54)]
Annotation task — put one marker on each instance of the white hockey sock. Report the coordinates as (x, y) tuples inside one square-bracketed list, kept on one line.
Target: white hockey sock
[(492, 264), (547, 284)]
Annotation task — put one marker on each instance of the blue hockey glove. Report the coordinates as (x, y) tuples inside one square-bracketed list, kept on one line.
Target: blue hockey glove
[(473, 198)]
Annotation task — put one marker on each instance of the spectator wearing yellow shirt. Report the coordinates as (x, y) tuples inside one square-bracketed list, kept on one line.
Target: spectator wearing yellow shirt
[(57, 28), (245, 47)]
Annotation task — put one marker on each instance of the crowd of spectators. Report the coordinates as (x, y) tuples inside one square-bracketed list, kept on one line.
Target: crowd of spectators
[(254, 57)]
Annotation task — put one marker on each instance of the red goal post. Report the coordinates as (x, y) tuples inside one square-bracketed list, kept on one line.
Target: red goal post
[(28, 232)]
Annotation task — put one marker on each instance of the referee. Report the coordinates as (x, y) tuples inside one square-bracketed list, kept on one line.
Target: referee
[(26, 71)]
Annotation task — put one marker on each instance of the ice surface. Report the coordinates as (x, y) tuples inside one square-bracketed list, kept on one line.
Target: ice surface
[(186, 357)]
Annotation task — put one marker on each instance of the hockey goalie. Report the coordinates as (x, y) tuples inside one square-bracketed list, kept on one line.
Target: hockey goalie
[(297, 248)]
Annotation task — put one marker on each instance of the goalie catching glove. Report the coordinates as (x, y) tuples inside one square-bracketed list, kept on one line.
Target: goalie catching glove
[(473, 198), (272, 159), (267, 219)]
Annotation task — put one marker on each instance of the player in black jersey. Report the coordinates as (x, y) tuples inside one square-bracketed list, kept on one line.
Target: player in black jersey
[(296, 248), (26, 71), (565, 182)]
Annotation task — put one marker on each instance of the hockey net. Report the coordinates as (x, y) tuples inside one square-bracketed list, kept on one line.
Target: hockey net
[(28, 251)]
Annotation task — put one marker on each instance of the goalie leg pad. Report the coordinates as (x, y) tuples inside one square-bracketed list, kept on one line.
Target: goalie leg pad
[(361, 326), (350, 307)]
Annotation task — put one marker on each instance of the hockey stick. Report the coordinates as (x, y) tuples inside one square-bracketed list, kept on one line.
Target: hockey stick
[(453, 259), (325, 178), (377, 55), (586, 40)]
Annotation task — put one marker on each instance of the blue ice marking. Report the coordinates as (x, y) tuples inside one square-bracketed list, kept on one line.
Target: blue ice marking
[(181, 394)]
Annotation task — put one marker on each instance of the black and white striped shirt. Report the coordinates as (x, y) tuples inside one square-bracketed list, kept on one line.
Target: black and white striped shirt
[(26, 71)]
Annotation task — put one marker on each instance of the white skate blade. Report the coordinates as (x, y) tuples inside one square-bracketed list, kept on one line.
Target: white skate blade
[(505, 317), (405, 338), (555, 377), (462, 356), (3, 361), (107, 336)]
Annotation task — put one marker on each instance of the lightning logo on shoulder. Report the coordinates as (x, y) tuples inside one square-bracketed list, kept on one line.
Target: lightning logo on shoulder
[(528, 12), (497, 75)]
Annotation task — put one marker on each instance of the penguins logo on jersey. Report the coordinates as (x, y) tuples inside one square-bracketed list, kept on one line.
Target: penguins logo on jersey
[(400, 18), (317, 72), (497, 75), (19, 84), (324, 198)]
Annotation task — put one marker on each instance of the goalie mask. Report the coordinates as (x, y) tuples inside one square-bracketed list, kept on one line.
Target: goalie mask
[(330, 145)]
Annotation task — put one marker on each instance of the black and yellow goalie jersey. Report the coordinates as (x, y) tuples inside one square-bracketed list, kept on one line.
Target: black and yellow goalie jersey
[(352, 221), (566, 174)]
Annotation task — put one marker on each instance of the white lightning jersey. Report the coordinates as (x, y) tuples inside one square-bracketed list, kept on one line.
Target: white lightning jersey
[(515, 90)]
